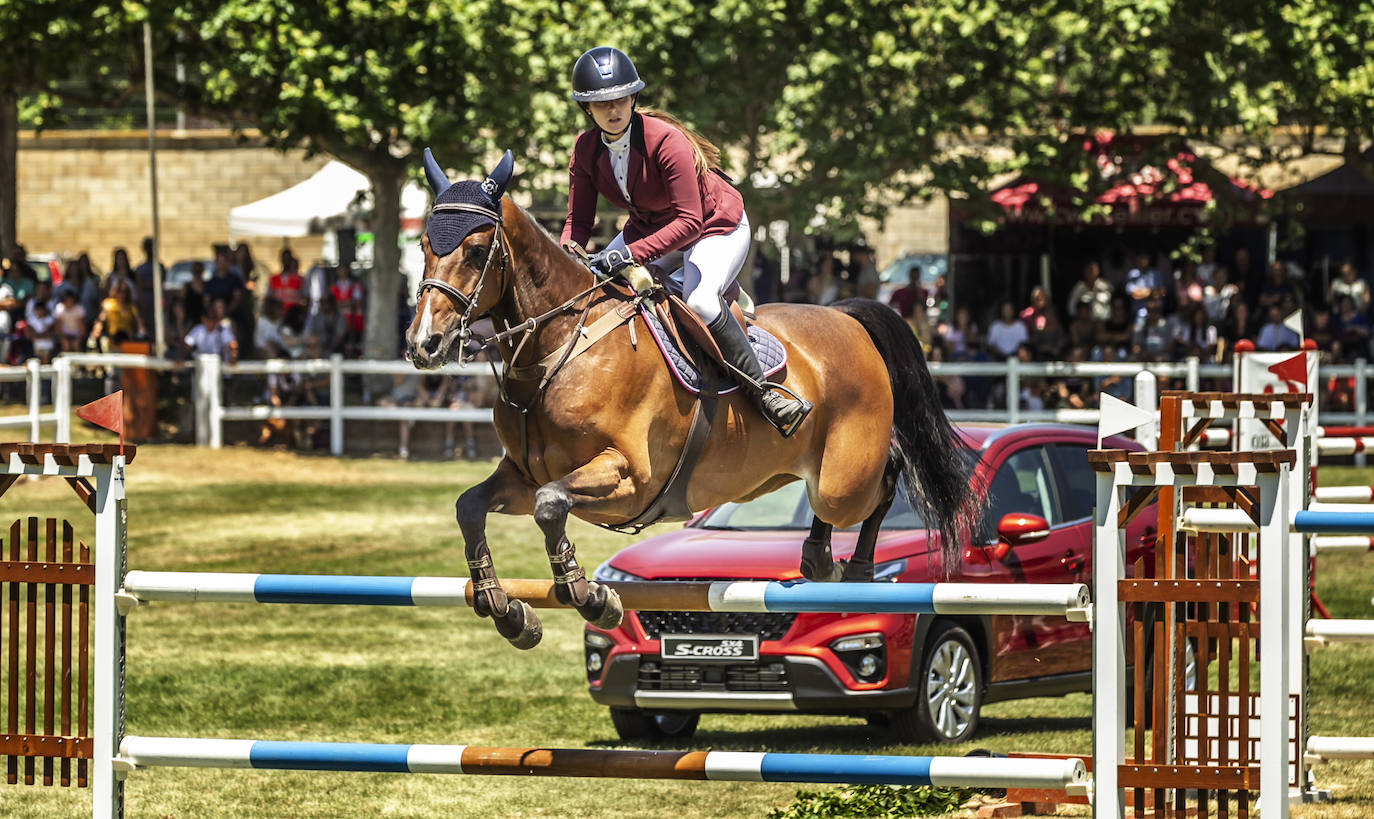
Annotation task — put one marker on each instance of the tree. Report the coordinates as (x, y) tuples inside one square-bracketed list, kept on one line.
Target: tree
[(855, 104), (371, 83), (45, 43)]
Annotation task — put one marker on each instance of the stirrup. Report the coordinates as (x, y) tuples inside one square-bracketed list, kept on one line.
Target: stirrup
[(790, 428)]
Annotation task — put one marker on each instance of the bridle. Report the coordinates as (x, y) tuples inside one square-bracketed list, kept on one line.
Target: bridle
[(468, 303), (516, 335)]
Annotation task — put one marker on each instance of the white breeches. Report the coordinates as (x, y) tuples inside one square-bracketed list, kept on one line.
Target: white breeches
[(707, 268)]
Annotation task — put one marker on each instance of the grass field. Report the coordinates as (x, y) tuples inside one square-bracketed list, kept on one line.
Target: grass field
[(443, 676)]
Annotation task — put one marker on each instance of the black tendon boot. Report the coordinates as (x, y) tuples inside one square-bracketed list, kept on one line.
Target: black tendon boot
[(782, 410)]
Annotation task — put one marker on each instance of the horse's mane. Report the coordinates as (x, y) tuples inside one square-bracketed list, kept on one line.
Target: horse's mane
[(546, 256)]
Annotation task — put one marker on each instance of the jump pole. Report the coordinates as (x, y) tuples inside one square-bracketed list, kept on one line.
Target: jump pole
[(722, 766), (1070, 600)]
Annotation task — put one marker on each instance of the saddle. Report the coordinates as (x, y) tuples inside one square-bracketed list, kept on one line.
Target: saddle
[(668, 315), (664, 312)]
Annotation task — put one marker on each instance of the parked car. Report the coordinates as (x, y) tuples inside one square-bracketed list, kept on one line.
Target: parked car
[(179, 274), (927, 267), (928, 676)]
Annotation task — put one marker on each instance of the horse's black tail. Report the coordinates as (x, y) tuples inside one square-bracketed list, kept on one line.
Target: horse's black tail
[(938, 467)]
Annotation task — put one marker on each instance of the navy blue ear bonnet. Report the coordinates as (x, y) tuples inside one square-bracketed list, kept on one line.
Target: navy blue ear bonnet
[(448, 228)]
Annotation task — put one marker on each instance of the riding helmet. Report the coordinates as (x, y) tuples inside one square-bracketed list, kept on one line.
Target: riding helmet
[(604, 73)]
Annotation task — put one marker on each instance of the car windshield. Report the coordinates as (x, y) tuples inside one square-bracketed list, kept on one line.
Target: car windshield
[(786, 508)]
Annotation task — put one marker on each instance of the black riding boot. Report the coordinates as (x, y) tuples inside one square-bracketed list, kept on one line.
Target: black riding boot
[(780, 409)]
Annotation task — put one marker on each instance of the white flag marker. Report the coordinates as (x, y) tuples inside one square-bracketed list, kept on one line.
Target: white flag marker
[(1119, 416), (1293, 321)]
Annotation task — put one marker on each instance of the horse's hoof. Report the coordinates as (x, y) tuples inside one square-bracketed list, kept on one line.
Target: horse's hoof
[(603, 608), (520, 626), (857, 573), (833, 573)]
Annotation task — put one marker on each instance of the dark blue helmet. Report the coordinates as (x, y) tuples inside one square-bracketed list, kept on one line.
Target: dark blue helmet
[(604, 73)]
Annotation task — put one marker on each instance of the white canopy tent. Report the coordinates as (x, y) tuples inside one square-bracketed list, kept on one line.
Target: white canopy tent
[(321, 204)]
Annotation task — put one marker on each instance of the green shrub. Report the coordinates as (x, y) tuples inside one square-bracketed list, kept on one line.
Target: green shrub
[(873, 800)]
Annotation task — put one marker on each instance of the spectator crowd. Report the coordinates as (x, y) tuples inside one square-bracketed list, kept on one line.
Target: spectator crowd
[(236, 309), (1150, 309), (1147, 308)]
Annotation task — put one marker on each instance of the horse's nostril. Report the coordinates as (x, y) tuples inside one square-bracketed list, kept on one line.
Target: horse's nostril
[(431, 345)]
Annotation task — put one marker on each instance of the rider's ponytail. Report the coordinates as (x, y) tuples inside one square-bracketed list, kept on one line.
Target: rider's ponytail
[(707, 155)]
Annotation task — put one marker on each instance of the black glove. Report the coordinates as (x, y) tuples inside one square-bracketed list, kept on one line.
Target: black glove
[(611, 261)]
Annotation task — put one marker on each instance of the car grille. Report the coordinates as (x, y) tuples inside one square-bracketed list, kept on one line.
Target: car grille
[(768, 625), (656, 676)]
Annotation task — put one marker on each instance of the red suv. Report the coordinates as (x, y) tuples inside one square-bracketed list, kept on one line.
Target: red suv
[(926, 675)]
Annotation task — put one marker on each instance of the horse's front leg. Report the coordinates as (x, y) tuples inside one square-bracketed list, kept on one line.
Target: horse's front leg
[(505, 491), (604, 479)]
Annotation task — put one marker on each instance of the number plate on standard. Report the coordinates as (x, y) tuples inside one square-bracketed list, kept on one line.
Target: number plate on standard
[(696, 648)]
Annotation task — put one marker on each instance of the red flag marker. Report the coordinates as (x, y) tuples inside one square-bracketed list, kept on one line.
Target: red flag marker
[(106, 413), (1293, 370)]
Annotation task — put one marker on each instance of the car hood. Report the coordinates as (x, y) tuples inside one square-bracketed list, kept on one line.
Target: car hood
[(745, 554)]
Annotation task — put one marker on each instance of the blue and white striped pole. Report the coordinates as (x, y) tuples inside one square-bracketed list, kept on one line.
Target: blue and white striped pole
[(1069, 600), (728, 766)]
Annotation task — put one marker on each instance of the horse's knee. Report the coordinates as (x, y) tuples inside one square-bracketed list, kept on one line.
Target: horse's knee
[(551, 505), (471, 506)]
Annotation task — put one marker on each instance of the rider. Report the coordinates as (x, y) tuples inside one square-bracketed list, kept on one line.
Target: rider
[(668, 177)]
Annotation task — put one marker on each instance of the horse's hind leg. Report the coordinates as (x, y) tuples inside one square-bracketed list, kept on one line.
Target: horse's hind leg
[(860, 564), (505, 491), (816, 560), (602, 480)]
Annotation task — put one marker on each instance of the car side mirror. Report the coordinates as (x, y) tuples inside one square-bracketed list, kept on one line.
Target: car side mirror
[(1020, 529)]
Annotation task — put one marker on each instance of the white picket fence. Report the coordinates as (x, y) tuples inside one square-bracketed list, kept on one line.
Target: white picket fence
[(52, 408)]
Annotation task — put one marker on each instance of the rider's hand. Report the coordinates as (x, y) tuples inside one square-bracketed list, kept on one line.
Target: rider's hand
[(611, 261), (639, 277)]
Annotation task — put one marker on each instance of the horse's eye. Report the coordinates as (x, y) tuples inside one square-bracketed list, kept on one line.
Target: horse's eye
[(477, 256)]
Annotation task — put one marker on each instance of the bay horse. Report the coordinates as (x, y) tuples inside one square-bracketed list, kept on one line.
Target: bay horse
[(596, 432)]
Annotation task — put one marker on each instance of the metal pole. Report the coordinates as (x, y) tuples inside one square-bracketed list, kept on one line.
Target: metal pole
[(1013, 390), (35, 385), (1361, 400), (336, 405), (159, 336), (62, 399)]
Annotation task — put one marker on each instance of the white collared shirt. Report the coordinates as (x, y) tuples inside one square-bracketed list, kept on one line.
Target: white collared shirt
[(620, 160)]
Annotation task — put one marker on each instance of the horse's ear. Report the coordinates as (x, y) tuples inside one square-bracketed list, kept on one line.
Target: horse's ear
[(495, 185), (438, 180)]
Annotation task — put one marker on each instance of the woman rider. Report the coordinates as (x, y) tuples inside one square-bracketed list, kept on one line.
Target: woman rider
[(682, 209)]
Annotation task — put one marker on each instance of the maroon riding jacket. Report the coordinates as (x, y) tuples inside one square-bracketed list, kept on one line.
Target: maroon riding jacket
[(672, 207)]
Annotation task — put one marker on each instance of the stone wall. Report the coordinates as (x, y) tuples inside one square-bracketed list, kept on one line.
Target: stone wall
[(89, 191), (916, 228)]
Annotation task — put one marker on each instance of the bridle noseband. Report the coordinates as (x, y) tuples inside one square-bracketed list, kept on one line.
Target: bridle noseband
[(468, 303)]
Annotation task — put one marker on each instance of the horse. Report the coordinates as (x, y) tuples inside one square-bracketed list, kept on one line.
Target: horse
[(595, 431)]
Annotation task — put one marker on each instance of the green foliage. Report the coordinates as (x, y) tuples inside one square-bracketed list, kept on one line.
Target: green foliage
[(828, 109), (373, 82), (872, 800)]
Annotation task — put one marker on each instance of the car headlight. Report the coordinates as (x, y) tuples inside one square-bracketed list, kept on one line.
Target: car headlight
[(608, 573), (890, 570)]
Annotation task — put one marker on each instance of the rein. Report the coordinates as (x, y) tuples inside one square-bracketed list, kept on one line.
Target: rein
[(525, 329)]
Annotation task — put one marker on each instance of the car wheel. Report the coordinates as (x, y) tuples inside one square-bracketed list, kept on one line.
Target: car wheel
[(632, 723), (950, 685)]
